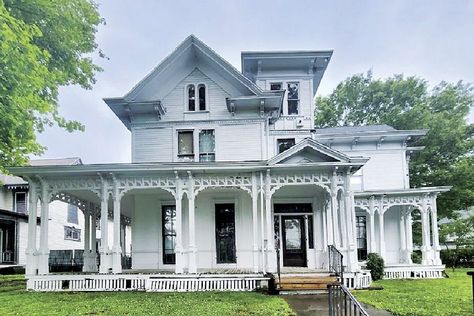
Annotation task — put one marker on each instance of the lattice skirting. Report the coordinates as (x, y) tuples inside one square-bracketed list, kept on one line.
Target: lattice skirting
[(149, 283), (357, 280), (414, 272)]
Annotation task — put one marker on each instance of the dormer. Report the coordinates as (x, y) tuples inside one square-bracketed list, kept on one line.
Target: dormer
[(296, 72)]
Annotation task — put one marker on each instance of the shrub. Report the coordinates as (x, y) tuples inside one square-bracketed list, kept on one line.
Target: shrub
[(416, 257), (462, 257), (375, 264)]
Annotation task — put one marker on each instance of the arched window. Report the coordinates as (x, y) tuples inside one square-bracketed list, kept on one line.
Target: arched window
[(191, 98), (202, 97)]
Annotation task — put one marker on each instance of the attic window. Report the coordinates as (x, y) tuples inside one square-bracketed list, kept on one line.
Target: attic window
[(285, 144), (202, 97), (191, 97), (196, 95)]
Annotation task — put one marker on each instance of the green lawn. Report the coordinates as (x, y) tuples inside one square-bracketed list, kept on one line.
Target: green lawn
[(449, 296), (14, 300)]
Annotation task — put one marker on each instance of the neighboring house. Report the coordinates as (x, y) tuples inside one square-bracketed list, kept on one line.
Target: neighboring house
[(228, 171), (66, 221)]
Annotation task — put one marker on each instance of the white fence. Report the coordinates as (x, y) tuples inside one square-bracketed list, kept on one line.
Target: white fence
[(357, 280), (141, 282), (413, 272)]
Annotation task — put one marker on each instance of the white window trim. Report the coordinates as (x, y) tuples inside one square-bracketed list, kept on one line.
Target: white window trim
[(299, 99), (15, 199), (195, 131), (196, 98)]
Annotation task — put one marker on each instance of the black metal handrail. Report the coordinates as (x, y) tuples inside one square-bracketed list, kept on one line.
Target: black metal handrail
[(342, 302), (336, 262)]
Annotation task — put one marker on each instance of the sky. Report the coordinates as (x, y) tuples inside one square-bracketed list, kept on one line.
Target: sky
[(430, 39)]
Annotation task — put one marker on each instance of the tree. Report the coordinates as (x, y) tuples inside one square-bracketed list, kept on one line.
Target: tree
[(409, 103), (44, 44), (460, 232)]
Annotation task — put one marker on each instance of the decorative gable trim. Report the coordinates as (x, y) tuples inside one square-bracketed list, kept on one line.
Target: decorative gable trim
[(311, 144)]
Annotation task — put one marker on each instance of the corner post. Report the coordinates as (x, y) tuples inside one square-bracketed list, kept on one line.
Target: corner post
[(179, 265), (116, 248), (271, 255), (43, 258), (434, 223), (104, 250), (254, 222), (373, 244), (192, 264), (31, 251)]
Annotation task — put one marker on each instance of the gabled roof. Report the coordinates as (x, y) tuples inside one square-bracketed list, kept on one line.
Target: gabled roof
[(192, 53), (313, 149)]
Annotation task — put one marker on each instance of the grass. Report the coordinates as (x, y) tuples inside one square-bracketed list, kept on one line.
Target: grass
[(17, 301), (448, 296)]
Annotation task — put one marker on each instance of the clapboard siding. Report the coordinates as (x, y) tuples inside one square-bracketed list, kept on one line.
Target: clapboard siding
[(152, 145), (239, 142), (176, 101)]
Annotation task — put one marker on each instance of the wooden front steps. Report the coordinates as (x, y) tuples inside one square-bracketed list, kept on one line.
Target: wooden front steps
[(304, 282)]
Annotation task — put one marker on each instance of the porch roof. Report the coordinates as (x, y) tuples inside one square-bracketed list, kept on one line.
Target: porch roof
[(200, 167)]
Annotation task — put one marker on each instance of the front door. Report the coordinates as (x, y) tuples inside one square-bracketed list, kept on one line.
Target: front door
[(294, 246), (225, 233)]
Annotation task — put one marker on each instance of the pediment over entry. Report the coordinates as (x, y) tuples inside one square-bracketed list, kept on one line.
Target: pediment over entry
[(309, 151)]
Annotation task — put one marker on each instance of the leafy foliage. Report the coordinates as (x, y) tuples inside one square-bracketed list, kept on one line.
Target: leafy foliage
[(43, 45), (427, 297), (460, 233), (376, 265), (408, 103)]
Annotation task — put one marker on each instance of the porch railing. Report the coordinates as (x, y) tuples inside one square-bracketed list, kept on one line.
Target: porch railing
[(336, 262), (342, 302)]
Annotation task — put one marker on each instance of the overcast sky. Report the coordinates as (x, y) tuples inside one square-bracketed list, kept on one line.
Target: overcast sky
[(430, 39)]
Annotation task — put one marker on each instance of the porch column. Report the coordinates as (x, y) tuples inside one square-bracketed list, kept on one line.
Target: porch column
[(434, 225), (373, 244), (31, 264), (116, 248), (104, 233), (425, 231), (381, 233), (192, 265), (349, 225), (403, 245), (43, 258), (409, 232), (93, 254), (329, 222), (179, 265), (271, 256), (254, 222), (87, 242), (319, 241)]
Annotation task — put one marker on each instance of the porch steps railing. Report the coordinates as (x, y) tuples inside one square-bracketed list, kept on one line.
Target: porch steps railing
[(149, 283), (342, 302), (335, 259)]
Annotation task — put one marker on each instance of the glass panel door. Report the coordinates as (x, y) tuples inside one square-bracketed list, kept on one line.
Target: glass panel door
[(225, 233)]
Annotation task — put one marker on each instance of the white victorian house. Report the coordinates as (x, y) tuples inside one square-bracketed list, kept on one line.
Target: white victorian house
[(230, 179)]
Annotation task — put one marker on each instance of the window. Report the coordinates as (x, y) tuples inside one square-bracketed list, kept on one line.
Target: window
[(207, 145), (225, 233), (191, 97), (185, 146), (20, 202), (275, 86), (72, 214), (285, 144), (169, 234), (196, 95), (361, 230), (202, 97), (293, 98), (72, 233)]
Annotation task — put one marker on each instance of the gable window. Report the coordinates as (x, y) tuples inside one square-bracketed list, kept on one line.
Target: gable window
[(293, 98), (185, 146), (72, 233), (20, 202), (202, 97), (191, 97), (169, 233), (285, 144), (72, 214), (207, 145)]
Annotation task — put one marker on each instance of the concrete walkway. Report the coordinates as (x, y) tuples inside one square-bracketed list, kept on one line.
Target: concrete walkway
[(317, 304)]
